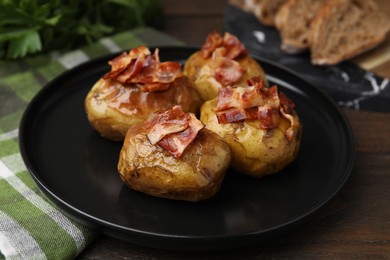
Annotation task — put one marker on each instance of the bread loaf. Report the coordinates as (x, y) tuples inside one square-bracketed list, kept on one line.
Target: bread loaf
[(345, 28)]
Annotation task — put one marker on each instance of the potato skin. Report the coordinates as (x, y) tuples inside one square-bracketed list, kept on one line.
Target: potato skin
[(198, 71), (255, 151), (112, 108), (196, 175)]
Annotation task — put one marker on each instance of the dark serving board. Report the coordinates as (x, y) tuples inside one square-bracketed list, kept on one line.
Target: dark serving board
[(348, 84)]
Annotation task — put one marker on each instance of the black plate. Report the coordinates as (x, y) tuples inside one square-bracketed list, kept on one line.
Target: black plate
[(76, 168)]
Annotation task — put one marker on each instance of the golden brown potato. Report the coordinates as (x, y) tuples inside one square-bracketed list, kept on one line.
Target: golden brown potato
[(112, 107), (137, 85), (255, 151), (220, 64), (196, 175)]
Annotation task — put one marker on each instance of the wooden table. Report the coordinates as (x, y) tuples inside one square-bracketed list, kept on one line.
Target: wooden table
[(354, 225)]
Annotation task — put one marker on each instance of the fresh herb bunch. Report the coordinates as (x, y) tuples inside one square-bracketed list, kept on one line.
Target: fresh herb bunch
[(31, 26)]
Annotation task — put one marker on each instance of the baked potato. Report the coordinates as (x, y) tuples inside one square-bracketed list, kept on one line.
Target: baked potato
[(137, 85), (260, 125), (222, 61), (153, 161)]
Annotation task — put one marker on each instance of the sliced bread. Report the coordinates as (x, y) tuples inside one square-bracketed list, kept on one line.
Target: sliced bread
[(344, 28), (293, 22), (265, 10)]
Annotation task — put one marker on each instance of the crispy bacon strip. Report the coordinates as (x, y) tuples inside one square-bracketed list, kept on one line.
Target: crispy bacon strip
[(286, 103), (268, 117), (223, 52), (173, 130), (236, 115), (292, 130), (256, 101), (226, 71), (213, 41), (233, 48), (176, 143), (123, 61), (118, 64), (247, 97), (166, 71), (141, 68), (168, 122)]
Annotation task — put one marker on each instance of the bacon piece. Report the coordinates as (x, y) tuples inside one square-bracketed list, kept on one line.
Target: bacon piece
[(231, 115), (173, 130), (225, 98), (236, 114), (213, 41), (254, 81), (240, 97), (219, 52), (144, 69), (251, 97), (223, 52), (233, 48), (130, 71), (245, 97), (124, 60), (176, 143), (286, 103), (271, 97), (256, 101), (166, 72), (118, 64), (139, 51), (158, 76), (268, 117), (226, 71), (168, 122), (292, 130), (155, 58)]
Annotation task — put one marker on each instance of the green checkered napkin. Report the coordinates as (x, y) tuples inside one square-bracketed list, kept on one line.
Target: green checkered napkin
[(31, 227)]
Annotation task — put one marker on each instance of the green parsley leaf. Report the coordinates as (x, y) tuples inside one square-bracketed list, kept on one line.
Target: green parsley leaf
[(31, 26), (29, 42)]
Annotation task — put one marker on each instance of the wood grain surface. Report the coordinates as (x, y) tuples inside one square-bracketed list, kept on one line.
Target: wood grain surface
[(355, 225)]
